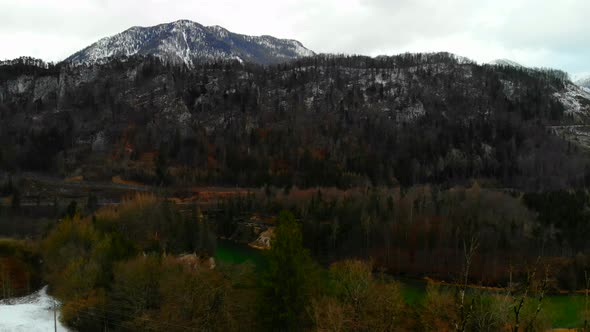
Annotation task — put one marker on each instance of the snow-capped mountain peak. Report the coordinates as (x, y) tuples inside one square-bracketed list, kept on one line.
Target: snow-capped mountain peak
[(185, 41), (506, 62)]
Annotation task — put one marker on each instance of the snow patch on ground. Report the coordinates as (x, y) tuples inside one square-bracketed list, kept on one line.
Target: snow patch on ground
[(32, 313)]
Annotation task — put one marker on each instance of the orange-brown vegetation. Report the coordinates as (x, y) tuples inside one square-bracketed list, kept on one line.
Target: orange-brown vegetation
[(19, 268)]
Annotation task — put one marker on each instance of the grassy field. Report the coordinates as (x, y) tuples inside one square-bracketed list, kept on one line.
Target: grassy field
[(565, 310)]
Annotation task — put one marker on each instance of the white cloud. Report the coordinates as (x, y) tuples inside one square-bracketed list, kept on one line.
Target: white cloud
[(535, 33)]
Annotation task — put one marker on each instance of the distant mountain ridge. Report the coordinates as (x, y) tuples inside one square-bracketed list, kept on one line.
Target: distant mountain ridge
[(25, 60), (584, 82), (186, 42), (506, 62)]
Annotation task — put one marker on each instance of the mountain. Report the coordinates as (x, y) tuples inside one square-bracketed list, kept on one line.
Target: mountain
[(322, 120), (506, 62), (584, 82), (186, 42)]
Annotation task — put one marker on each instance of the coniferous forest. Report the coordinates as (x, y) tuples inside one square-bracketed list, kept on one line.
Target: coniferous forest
[(341, 121)]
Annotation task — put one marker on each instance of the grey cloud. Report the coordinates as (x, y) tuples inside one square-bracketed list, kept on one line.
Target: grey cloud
[(543, 33)]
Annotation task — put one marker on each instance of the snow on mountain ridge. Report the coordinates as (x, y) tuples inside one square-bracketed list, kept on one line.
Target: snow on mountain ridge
[(575, 99), (186, 41), (583, 82), (506, 62)]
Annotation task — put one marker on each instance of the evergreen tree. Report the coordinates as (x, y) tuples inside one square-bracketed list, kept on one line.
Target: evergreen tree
[(289, 278)]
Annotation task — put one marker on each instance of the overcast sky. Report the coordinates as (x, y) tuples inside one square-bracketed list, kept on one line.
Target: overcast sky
[(533, 32)]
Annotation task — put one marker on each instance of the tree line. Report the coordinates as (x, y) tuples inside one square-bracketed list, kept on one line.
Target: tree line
[(420, 231), (118, 270)]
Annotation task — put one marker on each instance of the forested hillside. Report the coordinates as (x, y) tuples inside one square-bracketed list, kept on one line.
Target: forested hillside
[(325, 120), (351, 171)]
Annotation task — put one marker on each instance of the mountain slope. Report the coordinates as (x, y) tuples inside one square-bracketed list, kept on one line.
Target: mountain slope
[(584, 82), (576, 100), (323, 120), (186, 41)]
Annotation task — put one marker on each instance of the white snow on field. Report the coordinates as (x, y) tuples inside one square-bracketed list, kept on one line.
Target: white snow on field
[(32, 313)]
